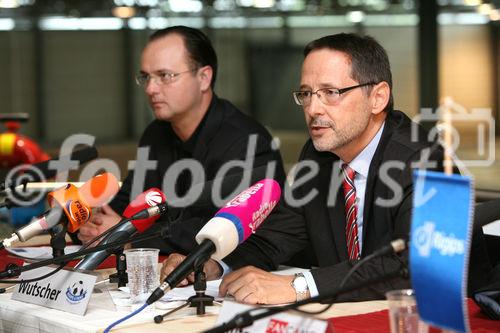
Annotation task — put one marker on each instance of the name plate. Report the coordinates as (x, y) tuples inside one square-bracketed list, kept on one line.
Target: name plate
[(278, 323), (65, 290)]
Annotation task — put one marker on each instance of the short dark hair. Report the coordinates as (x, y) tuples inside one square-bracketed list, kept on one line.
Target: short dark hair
[(197, 44), (369, 60)]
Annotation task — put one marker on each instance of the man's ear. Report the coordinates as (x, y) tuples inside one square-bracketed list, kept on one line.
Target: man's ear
[(205, 74), (379, 97)]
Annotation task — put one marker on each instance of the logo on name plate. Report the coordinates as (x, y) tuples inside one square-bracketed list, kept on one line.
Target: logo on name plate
[(76, 292)]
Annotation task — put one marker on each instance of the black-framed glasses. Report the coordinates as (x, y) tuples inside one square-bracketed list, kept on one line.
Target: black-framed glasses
[(142, 79), (328, 96)]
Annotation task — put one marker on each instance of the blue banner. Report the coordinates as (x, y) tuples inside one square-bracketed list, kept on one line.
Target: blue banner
[(439, 247)]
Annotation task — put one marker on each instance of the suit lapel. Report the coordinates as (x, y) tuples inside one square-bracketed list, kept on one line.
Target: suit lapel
[(373, 174)]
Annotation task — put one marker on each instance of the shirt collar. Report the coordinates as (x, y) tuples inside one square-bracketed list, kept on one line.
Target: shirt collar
[(361, 163)]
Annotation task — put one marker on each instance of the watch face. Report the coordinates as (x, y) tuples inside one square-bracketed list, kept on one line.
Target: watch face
[(300, 284)]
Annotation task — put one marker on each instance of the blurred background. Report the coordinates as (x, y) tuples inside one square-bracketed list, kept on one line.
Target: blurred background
[(70, 65)]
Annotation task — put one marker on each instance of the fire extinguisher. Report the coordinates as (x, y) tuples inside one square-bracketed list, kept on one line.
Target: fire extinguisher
[(16, 149)]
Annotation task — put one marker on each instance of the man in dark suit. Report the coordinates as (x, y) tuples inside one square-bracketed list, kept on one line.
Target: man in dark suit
[(353, 188), (197, 142), (355, 181)]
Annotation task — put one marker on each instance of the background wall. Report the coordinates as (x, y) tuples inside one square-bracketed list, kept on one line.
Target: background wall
[(85, 83)]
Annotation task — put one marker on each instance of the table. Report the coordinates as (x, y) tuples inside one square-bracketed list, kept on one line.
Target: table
[(21, 317), (360, 317)]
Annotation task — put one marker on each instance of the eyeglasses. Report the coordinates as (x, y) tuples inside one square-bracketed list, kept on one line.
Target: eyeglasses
[(328, 96), (142, 79)]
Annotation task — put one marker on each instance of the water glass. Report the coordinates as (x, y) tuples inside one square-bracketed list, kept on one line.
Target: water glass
[(403, 314), (142, 271)]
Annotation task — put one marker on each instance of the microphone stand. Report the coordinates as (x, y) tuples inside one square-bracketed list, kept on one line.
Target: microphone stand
[(16, 270), (58, 240), (120, 277), (246, 319), (199, 301)]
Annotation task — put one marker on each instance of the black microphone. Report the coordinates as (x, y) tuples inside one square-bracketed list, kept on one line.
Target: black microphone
[(43, 171), (396, 246)]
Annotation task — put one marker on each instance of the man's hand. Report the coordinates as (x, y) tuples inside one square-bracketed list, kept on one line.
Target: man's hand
[(99, 222), (255, 286), (211, 268)]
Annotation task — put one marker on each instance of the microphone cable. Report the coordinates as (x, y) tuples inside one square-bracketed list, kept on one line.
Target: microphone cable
[(394, 247), (57, 269), (121, 320)]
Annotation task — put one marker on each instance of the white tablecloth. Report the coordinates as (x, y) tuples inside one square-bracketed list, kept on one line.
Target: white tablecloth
[(27, 318)]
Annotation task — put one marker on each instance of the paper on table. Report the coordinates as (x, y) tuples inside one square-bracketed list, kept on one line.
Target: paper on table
[(181, 293), (40, 252)]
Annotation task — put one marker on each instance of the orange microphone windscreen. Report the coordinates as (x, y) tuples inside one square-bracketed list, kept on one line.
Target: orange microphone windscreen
[(77, 203), (76, 210), (99, 190)]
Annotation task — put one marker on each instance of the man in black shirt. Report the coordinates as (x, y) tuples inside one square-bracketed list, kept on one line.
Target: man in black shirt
[(195, 130)]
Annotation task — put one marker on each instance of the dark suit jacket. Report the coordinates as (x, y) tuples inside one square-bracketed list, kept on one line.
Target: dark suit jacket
[(289, 229), (222, 136)]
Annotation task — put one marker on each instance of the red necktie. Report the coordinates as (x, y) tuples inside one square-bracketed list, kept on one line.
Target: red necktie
[(351, 212)]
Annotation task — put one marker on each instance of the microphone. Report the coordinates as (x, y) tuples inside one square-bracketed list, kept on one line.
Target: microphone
[(147, 202), (230, 226), (396, 246), (75, 203), (41, 171)]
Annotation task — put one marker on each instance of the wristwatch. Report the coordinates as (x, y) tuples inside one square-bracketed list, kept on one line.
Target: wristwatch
[(299, 283)]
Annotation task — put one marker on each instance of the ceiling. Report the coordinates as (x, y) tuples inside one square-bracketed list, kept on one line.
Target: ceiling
[(22, 9), (88, 8)]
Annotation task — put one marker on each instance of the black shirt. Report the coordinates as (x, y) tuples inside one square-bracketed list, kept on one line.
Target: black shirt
[(222, 136)]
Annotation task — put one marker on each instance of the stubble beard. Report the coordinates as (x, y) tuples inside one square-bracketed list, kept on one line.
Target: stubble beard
[(339, 137)]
